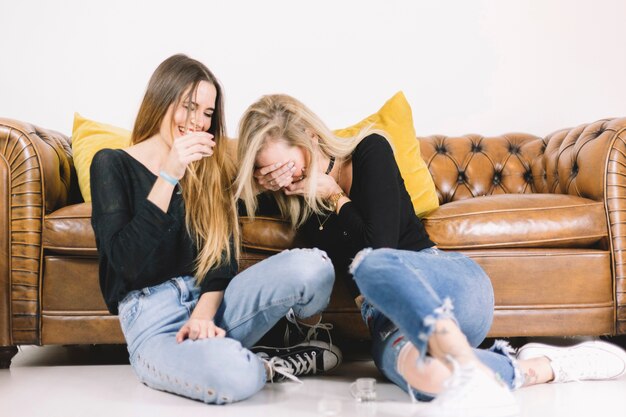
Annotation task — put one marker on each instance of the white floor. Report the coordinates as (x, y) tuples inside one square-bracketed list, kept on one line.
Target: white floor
[(96, 381)]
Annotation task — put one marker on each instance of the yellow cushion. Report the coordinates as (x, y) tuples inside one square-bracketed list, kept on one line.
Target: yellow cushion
[(395, 120), (88, 137)]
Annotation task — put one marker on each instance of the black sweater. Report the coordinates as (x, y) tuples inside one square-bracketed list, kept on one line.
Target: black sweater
[(138, 244), (379, 215)]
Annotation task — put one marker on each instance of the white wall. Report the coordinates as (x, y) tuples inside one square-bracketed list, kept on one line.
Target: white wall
[(466, 66)]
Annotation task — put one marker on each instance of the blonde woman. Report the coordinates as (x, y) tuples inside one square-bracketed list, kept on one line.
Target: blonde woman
[(167, 233), (426, 309)]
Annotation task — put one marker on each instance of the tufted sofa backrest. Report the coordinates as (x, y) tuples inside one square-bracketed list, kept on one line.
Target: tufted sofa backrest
[(473, 165), (562, 162)]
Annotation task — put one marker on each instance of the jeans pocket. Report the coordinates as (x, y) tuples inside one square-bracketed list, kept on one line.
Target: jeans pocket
[(186, 288), (129, 310)]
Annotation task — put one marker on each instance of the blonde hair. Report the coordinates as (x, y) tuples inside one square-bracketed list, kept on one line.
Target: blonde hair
[(210, 207), (281, 117)]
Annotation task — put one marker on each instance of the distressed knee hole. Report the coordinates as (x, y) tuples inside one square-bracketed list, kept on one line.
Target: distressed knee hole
[(442, 312), (358, 259)]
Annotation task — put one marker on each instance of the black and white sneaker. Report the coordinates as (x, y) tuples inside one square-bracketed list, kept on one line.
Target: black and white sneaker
[(308, 358)]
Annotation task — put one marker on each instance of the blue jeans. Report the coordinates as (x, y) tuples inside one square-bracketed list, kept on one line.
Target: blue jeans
[(406, 292), (221, 370)]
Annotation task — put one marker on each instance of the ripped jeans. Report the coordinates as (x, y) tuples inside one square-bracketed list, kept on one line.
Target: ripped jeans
[(407, 291), (221, 370)]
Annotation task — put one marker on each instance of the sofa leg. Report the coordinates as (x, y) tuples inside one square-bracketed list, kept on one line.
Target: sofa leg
[(6, 354)]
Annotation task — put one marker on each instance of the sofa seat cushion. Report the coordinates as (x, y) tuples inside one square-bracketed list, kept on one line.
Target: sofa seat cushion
[(267, 234), (518, 221), (68, 230)]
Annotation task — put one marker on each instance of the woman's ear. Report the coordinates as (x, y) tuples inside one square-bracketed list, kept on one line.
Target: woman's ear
[(314, 138)]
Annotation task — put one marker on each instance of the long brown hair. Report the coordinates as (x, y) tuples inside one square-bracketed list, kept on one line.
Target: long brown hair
[(210, 207)]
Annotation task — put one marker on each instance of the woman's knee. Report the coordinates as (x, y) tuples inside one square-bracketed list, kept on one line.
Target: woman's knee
[(310, 269), (369, 263)]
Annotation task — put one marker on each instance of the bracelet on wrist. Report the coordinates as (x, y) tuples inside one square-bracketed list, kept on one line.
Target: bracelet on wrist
[(167, 177), (334, 199)]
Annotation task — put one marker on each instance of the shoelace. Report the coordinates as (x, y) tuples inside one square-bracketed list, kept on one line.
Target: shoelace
[(302, 364), (312, 331), (279, 366)]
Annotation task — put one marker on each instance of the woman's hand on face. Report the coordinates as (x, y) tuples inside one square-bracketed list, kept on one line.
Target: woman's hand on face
[(187, 149), (196, 329), (274, 177), (326, 186)]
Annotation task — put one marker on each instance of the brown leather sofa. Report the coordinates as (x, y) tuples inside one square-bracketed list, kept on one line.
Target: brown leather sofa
[(545, 217)]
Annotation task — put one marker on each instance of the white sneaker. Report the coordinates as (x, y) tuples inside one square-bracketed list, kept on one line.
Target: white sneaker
[(587, 361), (470, 392)]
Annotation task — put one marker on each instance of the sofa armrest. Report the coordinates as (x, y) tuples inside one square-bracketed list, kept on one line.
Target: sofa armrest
[(615, 200), (577, 161), (586, 161), (35, 175), (590, 161)]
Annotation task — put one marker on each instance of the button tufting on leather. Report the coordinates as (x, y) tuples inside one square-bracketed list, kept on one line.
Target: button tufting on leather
[(528, 176), (514, 149)]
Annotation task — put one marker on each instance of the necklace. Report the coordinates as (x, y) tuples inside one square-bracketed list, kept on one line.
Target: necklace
[(330, 167), (322, 223)]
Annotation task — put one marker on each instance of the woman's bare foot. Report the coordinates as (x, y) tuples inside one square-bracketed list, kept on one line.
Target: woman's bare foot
[(448, 342), (428, 377)]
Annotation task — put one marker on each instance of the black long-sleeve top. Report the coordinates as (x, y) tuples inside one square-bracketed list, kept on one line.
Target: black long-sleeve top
[(379, 215), (138, 244)]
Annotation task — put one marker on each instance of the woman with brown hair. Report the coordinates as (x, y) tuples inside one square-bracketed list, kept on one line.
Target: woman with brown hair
[(166, 228)]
